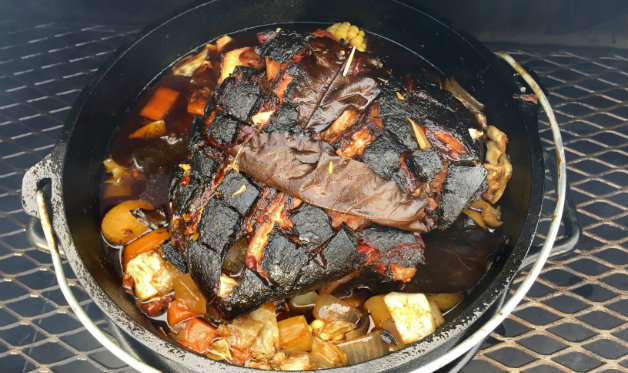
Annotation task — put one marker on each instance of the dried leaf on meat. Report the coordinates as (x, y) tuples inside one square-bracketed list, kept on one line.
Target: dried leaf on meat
[(299, 166), (322, 74)]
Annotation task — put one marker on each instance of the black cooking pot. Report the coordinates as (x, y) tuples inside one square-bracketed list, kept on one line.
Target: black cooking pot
[(73, 169)]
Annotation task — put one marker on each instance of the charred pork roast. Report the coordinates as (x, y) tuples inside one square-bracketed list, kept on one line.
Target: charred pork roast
[(321, 164)]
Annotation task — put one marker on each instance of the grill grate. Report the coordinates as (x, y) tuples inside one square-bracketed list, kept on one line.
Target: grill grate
[(573, 319)]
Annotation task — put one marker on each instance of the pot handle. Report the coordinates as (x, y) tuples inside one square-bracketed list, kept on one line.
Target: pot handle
[(106, 341), (561, 187), (44, 176)]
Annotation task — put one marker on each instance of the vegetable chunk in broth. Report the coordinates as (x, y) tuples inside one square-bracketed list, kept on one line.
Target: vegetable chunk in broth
[(286, 199)]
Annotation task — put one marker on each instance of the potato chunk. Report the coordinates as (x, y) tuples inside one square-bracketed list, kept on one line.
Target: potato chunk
[(412, 315), (295, 334), (119, 226), (409, 317), (152, 275)]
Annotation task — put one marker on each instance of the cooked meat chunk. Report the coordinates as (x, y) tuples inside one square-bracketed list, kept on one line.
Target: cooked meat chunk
[(223, 129), (175, 256), (205, 267), (394, 247), (427, 163), (337, 258), (182, 190), (463, 185), (312, 225), (283, 45), (238, 192), (197, 135), (218, 225), (237, 98), (284, 120), (202, 164), (382, 157), (293, 270)]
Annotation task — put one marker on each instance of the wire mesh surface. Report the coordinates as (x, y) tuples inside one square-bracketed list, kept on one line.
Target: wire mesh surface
[(575, 318)]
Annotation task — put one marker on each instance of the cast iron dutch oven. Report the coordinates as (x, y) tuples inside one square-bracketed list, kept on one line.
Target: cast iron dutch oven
[(73, 169)]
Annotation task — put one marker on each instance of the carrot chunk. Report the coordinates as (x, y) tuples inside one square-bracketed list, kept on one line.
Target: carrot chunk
[(160, 103), (197, 336), (179, 311), (144, 244)]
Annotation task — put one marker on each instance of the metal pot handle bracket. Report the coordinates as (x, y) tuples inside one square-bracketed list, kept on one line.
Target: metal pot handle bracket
[(41, 209), (40, 177)]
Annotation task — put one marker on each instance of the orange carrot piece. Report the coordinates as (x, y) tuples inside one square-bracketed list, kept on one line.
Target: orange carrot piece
[(178, 311), (162, 100), (144, 244), (197, 336), (197, 103)]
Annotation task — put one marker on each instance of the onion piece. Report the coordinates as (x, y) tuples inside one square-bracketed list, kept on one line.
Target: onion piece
[(242, 332), (330, 308), (264, 346), (361, 329), (188, 64), (300, 361), (303, 301), (116, 170), (335, 330), (419, 133), (452, 86), (219, 350), (366, 347), (186, 290), (488, 215), (327, 355), (227, 284)]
